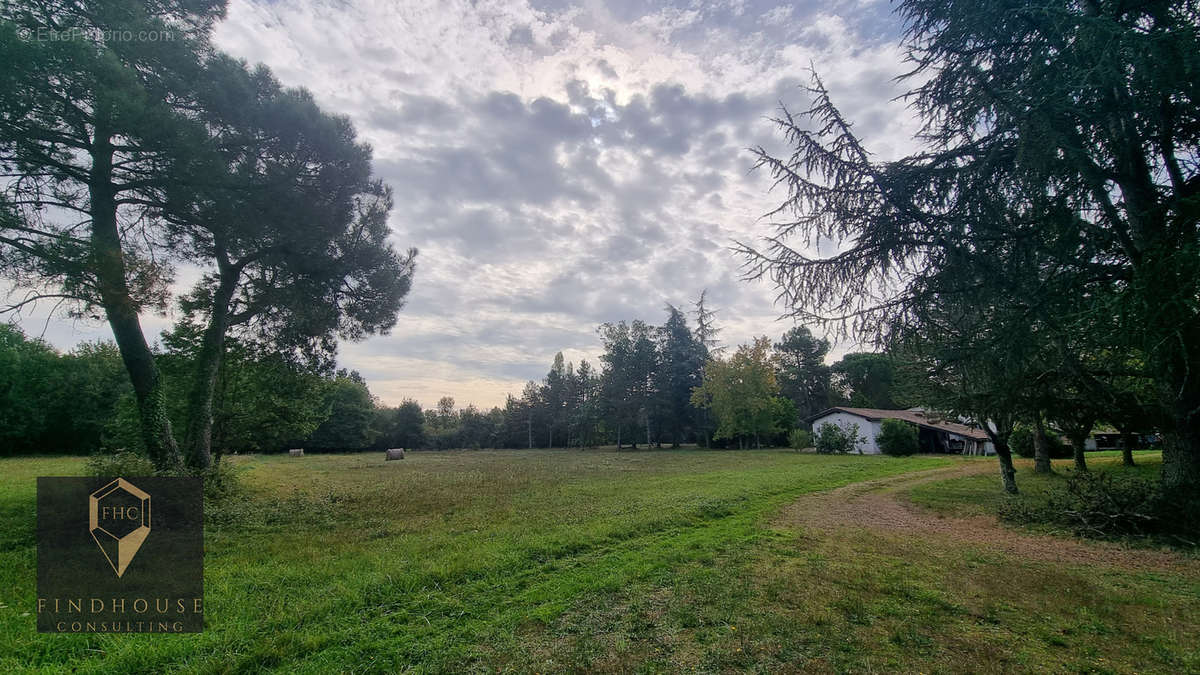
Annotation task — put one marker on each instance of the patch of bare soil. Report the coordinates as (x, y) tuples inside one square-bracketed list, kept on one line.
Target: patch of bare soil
[(880, 505)]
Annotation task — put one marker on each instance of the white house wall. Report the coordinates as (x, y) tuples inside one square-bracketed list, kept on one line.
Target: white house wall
[(866, 428)]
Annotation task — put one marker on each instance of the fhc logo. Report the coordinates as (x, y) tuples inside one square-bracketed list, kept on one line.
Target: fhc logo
[(120, 555), (119, 520)]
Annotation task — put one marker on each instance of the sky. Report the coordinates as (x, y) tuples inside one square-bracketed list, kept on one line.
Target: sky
[(562, 164)]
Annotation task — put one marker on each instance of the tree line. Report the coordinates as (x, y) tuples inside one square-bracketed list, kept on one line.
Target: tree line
[(663, 386), (653, 386), (82, 402)]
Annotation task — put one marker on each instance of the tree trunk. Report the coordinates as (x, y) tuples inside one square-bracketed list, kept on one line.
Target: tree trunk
[(1077, 445), (1008, 474), (999, 427), (220, 430), (109, 264), (618, 438), (1178, 387), (1181, 456), (1041, 449), (1127, 440), (197, 441)]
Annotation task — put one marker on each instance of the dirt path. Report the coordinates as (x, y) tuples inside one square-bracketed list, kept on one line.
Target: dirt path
[(880, 505)]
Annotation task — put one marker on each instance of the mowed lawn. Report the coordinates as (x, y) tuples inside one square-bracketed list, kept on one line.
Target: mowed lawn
[(552, 561)]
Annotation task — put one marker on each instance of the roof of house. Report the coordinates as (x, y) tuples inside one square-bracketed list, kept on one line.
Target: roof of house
[(917, 417)]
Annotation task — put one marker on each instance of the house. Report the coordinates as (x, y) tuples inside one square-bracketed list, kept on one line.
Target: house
[(935, 434), (1111, 440)]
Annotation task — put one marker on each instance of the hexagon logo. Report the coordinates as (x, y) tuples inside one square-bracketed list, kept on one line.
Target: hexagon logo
[(119, 520)]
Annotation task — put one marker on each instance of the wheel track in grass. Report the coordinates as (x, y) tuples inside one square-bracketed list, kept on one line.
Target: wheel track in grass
[(880, 504)]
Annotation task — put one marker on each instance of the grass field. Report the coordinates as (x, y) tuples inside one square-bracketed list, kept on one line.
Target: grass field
[(551, 561), (977, 495)]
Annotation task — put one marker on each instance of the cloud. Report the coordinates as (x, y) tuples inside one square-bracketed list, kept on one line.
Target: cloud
[(562, 164)]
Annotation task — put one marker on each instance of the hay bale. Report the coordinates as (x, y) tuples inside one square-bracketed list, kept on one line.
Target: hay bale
[(296, 452), (394, 453)]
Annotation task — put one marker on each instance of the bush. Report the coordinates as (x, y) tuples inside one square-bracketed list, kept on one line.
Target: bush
[(224, 494), (1099, 506), (1021, 443), (800, 439), (833, 439), (897, 438), (221, 482), (121, 463)]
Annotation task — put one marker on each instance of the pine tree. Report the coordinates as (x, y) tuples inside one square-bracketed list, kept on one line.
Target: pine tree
[(680, 370)]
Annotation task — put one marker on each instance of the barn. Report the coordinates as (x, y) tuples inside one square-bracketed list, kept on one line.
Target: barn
[(935, 433)]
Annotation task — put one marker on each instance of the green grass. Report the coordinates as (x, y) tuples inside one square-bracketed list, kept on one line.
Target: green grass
[(977, 495), (552, 561), (435, 561)]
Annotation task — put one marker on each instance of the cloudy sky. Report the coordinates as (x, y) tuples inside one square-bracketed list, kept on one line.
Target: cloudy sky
[(562, 164)]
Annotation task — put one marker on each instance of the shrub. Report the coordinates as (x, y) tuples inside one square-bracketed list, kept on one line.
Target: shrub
[(224, 495), (221, 482), (1099, 506), (897, 438), (1021, 443), (834, 439), (800, 439), (120, 463)]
